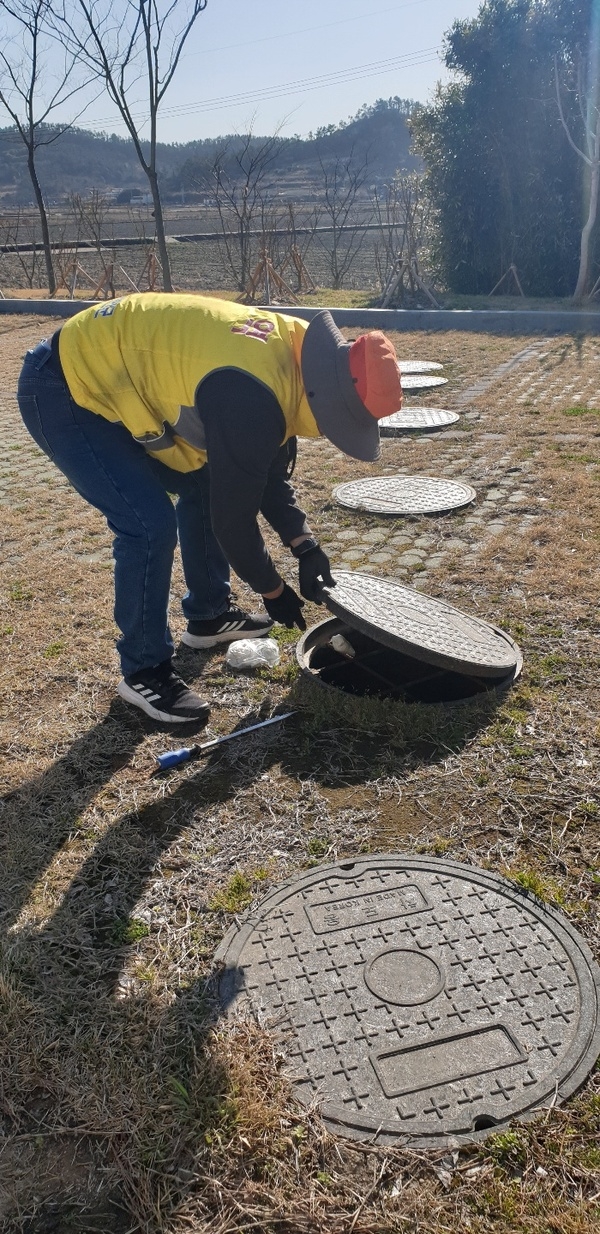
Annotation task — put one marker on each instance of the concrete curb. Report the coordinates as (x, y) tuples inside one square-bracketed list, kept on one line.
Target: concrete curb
[(506, 321), (46, 308)]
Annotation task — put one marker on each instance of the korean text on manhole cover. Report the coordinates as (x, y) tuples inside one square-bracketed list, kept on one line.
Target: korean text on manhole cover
[(404, 495), (412, 419), (421, 1000)]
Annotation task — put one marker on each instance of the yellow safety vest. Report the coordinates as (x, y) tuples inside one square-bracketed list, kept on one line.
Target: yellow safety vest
[(141, 359)]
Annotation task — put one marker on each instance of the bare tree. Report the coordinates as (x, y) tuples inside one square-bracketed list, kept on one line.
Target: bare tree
[(404, 233), (90, 220), (123, 44), (23, 252), (24, 44), (297, 247), (237, 183), (342, 181), (586, 90)]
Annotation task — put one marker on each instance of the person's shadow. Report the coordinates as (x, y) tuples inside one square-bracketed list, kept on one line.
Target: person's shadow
[(124, 1072)]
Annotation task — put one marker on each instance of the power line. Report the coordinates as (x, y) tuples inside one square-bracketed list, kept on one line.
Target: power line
[(304, 85), (308, 83), (290, 34)]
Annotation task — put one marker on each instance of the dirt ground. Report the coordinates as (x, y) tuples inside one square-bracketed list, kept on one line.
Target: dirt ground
[(124, 1106)]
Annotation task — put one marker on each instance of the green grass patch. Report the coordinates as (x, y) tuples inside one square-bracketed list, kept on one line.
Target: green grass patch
[(507, 1148), (543, 888), (53, 650), (318, 846), (588, 808), (284, 637), (19, 592), (129, 931), (581, 411), (238, 893)]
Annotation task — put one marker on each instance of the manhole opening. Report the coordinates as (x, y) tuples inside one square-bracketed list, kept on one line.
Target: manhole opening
[(483, 1122), (380, 672)]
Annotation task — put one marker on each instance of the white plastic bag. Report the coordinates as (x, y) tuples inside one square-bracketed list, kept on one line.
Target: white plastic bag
[(341, 644), (252, 653)]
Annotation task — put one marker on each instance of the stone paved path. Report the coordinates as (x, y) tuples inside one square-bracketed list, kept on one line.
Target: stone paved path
[(476, 452), (408, 548)]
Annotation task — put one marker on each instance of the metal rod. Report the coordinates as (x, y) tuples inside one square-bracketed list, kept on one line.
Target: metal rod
[(172, 758), (241, 732)]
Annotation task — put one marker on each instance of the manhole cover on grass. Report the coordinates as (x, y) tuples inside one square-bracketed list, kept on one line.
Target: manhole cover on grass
[(422, 1000), (415, 419), (419, 366), (404, 495), (412, 382), (417, 624)]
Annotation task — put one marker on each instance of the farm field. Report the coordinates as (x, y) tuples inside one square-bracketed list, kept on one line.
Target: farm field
[(194, 266), (125, 1104)]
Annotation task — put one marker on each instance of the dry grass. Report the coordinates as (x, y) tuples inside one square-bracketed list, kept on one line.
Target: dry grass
[(124, 1105)]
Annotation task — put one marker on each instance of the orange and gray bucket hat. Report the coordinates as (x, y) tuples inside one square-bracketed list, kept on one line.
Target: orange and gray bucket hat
[(350, 386)]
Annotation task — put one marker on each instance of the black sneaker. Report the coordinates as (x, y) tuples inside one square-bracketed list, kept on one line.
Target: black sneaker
[(233, 623), (163, 695)]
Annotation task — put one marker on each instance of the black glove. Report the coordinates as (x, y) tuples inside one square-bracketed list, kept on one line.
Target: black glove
[(286, 609), (314, 571)]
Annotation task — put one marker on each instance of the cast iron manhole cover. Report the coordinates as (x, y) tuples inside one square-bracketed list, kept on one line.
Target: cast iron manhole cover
[(419, 366), (422, 1000), (412, 419), (415, 381), (404, 495), (420, 626)]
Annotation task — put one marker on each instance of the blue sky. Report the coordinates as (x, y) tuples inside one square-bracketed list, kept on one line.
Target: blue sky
[(267, 63)]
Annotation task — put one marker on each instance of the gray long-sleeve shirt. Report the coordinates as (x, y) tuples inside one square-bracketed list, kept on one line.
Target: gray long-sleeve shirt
[(249, 472)]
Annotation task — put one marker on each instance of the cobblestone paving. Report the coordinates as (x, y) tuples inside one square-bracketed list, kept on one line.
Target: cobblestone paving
[(28, 480), (484, 453), (506, 489), (407, 548)]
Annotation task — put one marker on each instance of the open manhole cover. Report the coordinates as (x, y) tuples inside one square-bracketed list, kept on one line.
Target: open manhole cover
[(419, 366), (422, 1001), (404, 495), (417, 624), (412, 382), (415, 419)]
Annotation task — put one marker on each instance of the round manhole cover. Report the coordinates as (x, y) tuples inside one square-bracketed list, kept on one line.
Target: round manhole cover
[(404, 495), (421, 626), (412, 382), (419, 366), (415, 419), (422, 1000)]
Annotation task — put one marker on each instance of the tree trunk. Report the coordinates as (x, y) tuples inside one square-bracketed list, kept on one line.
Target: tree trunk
[(583, 279), (44, 222), (160, 230)]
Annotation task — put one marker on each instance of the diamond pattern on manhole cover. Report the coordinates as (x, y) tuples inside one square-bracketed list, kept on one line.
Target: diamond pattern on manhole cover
[(415, 418), (418, 381), (417, 624), (419, 366), (421, 1000), (404, 495)]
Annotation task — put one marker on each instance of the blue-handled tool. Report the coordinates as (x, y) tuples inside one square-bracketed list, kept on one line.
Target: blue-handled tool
[(172, 758)]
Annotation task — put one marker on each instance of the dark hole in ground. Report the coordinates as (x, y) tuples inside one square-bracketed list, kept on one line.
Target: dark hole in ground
[(379, 671)]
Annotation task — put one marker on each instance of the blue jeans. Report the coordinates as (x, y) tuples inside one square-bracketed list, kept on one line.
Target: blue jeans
[(115, 474)]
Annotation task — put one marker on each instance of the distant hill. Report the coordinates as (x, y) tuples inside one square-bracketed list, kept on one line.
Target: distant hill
[(79, 161)]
